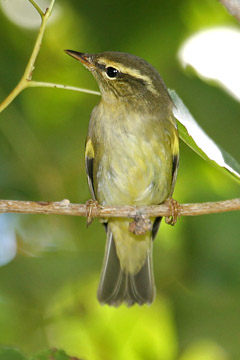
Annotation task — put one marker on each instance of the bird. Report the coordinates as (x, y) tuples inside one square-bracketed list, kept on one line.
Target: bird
[(132, 158)]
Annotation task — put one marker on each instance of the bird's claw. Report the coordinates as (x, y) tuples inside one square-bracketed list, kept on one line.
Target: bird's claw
[(92, 208), (174, 210)]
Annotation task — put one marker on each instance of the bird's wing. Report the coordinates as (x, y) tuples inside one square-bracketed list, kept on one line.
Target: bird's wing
[(89, 162), (175, 163), (175, 157)]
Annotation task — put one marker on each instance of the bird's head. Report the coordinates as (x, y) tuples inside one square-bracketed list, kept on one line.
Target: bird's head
[(122, 76)]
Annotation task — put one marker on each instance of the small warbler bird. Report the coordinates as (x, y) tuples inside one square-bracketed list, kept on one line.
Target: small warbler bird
[(132, 152)]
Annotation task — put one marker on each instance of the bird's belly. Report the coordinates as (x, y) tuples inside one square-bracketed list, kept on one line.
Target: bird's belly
[(138, 174)]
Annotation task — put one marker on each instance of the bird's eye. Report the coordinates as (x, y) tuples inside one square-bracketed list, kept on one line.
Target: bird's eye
[(111, 72)]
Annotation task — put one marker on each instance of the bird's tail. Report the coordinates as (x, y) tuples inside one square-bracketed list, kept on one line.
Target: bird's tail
[(118, 285)]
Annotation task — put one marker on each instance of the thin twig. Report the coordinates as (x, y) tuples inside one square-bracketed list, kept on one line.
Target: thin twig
[(66, 208), (60, 86), (27, 76), (39, 10), (26, 80)]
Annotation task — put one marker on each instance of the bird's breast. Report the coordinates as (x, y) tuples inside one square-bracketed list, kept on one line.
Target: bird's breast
[(134, 162)]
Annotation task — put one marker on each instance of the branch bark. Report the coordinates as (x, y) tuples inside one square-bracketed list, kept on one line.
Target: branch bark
[(64, 207)]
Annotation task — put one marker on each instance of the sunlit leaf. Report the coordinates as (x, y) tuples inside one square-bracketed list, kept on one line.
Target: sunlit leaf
[(193, 135)]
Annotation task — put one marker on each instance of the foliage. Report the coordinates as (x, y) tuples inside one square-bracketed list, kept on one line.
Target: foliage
[(13, 354), (192, 134), (51, 265)]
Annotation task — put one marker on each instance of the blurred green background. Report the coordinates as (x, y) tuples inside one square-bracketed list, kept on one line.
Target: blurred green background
[(50, 265)]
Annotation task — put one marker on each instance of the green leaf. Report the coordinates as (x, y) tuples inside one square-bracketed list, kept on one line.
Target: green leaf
[(11, 354), (53, 354), (194, 136)]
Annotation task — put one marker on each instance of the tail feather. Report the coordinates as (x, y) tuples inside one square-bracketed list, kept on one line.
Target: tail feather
[(117, 286)]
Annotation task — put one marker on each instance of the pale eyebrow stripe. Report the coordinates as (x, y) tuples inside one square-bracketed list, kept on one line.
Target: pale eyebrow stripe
[(130, 71)]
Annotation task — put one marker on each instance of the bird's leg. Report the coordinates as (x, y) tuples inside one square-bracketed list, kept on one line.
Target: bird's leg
[(174, 210), (92, 209)]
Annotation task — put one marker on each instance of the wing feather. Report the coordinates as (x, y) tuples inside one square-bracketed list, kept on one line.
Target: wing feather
[(89, 164)]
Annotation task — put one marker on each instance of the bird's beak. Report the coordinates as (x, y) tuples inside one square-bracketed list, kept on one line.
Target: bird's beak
[(85, 59)]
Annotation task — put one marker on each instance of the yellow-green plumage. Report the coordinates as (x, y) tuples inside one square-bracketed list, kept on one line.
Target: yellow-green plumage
[(131, 159)]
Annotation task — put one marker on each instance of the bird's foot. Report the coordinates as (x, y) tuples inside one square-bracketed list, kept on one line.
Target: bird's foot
[(92, 209), (174, 210), (140, 225)]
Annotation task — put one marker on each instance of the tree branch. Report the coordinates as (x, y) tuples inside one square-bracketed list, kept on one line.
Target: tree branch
[(64, 207)]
